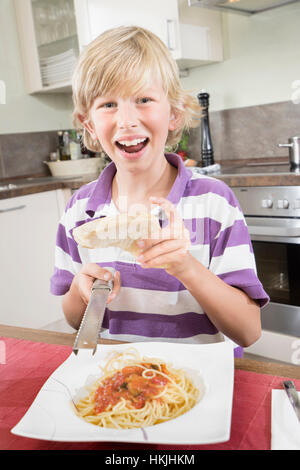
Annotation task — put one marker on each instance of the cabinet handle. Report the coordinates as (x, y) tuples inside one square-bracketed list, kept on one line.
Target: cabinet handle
[(12, 209), (171, 35)]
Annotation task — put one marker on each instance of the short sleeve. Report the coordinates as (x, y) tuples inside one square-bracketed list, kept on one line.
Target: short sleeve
[(231, 255), (67, 259)]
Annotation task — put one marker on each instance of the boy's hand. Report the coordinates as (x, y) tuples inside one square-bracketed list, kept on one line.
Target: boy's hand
[(87, 275), (172, 248)]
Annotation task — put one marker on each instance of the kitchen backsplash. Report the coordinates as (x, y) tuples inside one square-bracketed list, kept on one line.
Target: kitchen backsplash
[(24, 154), (242, 133), (250, 132)]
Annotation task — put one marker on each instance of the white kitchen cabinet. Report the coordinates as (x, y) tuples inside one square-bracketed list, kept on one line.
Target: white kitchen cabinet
[(51, 32), (48, 43), (27, 244), (63, 196), (194, 37), (200, 35), (161, 17)]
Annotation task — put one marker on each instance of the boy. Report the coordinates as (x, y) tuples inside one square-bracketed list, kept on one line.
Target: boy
[(129, 102)]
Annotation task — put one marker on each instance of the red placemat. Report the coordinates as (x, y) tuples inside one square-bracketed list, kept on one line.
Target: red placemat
[(26, 365)]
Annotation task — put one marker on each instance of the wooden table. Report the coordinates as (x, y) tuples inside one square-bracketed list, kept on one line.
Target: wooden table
[(67, 339)]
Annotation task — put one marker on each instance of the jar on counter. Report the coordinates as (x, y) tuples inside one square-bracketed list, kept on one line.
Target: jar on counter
[(53, 156)]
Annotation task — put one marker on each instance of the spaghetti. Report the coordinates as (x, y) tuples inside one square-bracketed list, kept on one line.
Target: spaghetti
[(136, 391)]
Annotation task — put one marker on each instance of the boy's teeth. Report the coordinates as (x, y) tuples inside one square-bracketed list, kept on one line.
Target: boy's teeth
[(131, 142)]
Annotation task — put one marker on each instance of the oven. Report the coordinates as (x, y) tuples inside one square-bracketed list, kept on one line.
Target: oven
[(272, 214)]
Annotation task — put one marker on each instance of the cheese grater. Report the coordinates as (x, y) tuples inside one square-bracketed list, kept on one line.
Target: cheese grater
[(88, 333)]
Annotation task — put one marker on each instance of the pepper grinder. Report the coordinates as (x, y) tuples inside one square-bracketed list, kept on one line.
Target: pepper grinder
[(207, 152)]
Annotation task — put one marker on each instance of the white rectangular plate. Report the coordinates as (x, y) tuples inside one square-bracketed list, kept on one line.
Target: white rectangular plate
[(52, 417)]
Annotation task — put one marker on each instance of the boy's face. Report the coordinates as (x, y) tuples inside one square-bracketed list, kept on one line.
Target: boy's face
[(133, 131)]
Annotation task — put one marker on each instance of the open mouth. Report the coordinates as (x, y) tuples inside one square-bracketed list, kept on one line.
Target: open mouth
[(133, 146)]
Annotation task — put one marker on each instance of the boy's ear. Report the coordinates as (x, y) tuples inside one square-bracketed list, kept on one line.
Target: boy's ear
[(174, 120), (87, 125)]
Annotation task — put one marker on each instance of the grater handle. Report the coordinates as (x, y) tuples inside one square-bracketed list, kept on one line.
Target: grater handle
[(88, 332)]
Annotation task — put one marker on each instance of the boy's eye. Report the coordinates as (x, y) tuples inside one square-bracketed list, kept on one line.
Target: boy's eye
[(108, 105), (145, 99)]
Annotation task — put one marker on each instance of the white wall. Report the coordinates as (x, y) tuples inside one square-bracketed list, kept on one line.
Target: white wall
[(262, 60), (22, 112)]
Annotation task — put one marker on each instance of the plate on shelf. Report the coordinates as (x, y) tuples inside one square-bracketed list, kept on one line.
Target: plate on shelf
[(59, 57)]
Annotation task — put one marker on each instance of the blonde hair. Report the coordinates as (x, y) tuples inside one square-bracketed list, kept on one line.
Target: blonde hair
[(123, 60)]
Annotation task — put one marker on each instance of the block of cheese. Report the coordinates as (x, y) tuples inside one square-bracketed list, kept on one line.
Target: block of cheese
[(122, 230)]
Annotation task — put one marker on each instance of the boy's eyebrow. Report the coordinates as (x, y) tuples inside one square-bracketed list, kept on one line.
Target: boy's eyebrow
[(102, 99), (110, 97), (147, 90)]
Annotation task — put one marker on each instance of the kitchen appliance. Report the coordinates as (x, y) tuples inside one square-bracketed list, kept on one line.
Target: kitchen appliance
[(244, 7), (88, 333), (207, 152), (294, 153), (272, 214)]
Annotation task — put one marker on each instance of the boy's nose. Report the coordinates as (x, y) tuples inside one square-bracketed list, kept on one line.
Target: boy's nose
[(127, 116)]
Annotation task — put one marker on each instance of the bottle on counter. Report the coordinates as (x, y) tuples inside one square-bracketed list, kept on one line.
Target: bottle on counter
[(66, 147), (60, 144), (75, 147), (207, 152)]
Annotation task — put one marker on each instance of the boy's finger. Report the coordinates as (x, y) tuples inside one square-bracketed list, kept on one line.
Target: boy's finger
[(116, 287), (161, 249), (97, 272), (174, 220), (86, 289)]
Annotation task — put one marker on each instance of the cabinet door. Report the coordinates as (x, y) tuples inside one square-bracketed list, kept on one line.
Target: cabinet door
[(48, 43), (160, 17), (27, 244)]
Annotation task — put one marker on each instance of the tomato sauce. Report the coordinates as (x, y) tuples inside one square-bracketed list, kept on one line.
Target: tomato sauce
[(130, 385)]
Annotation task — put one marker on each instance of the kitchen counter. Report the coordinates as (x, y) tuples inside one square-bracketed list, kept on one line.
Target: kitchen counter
[(235, 173), (256, 174), (67, 339), (15, 187)]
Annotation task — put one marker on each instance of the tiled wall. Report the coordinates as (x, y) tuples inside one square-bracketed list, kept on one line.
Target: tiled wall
[(242, 133), (23, 154), (250, 132)]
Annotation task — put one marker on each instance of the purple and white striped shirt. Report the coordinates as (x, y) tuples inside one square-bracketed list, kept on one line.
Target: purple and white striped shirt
[(153, 305)]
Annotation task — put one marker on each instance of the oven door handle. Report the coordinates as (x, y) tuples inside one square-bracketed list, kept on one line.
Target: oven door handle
[(274, 231)]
